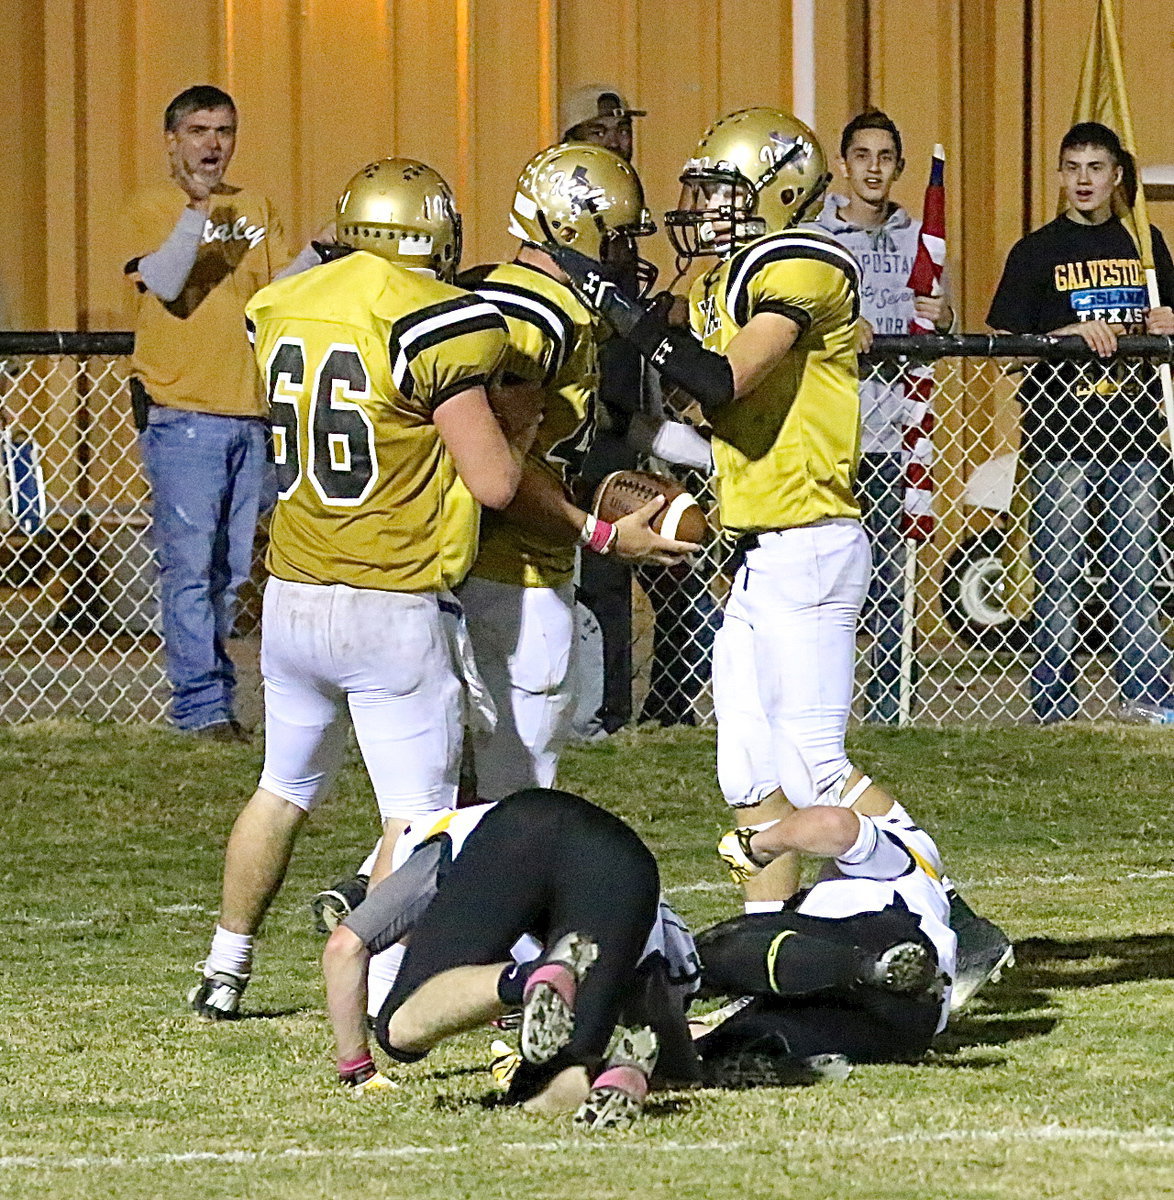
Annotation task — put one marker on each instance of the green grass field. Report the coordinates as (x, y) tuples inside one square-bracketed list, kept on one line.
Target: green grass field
[(1058, 1082)]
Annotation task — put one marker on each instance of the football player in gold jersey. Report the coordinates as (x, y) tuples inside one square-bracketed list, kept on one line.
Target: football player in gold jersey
[(519, 598), (771, 360), (385, 448)]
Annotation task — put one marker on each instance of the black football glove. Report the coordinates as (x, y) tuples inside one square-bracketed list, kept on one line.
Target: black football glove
[(673, 351), (598, 292)]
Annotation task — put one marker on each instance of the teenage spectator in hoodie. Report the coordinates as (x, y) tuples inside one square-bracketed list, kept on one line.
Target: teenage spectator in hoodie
[(883, 237)]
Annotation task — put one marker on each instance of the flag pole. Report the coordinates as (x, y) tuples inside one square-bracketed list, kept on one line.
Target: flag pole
[(1106, 26), (908, 634), (917, 521)]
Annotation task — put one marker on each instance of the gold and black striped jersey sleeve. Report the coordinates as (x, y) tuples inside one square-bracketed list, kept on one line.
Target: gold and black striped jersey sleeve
[(552, 343), (804, 276), (542, 332), (446, 348)]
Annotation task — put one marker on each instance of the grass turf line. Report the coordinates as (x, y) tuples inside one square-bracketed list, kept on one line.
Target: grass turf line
[(1057, 1084)]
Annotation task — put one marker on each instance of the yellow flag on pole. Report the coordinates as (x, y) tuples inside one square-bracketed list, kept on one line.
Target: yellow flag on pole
[(1101, 96)]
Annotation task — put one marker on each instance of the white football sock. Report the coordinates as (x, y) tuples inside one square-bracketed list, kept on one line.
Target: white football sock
[(369, 862), (231, 952), (381, 974)]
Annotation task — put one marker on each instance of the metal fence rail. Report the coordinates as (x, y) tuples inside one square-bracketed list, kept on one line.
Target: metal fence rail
[(78, 609), (967, 654)]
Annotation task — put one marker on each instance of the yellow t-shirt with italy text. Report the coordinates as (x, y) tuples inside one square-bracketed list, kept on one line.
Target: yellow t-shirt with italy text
[(192, 352)]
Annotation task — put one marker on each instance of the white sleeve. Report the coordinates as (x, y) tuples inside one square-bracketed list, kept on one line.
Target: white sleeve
[(678, 442), (166, 270)]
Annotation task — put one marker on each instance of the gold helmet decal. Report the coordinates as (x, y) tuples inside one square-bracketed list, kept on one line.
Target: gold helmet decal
[(581, 195), (403, 211), (756, 171)]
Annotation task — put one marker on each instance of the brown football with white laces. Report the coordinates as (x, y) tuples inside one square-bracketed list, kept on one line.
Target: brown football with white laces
[(623, 492)]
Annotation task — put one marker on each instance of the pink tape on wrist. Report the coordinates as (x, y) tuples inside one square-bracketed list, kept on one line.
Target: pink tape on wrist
[(626, 1079), (600, 540)]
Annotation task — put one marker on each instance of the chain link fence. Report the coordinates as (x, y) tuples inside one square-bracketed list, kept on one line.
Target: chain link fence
[(1084, 546), (1047, 589)]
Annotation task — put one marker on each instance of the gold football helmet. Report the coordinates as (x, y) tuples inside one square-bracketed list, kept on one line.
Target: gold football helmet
[(403, 211), (581, 195), (757, 171)]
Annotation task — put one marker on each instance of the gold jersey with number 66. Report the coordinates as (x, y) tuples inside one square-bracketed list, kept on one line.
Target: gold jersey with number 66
[(356, 355)]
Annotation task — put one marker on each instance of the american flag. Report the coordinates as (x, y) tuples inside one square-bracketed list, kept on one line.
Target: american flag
[(917, 519)]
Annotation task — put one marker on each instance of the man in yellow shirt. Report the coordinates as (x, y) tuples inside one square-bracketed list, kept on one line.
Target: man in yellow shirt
[(201, 248)]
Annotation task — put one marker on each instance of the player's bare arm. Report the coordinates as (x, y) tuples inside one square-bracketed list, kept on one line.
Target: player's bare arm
[(819, 831), (484, 459), (344, 963), (542, 505), (758, 348)]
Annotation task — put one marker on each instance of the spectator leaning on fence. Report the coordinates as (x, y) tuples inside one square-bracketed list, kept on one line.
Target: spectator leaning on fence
[(201, 248), (1092, 431), (883, 238)]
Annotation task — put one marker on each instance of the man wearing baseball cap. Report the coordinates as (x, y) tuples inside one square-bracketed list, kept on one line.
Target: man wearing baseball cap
[(683, 630), (599, 113)]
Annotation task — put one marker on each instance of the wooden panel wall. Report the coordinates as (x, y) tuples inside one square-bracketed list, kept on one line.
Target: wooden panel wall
[(472, 86)]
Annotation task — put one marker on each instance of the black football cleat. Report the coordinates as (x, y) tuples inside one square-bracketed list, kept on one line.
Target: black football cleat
[(334, 904)]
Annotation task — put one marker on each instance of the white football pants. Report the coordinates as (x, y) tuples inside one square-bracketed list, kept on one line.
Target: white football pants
[(783, 664), (525, 646), (384, 657)]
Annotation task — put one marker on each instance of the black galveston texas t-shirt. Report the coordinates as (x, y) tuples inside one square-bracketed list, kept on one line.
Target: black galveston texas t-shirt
[(1068, 272)]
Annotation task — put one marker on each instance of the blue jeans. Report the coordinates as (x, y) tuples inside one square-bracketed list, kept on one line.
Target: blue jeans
[(208, 477), (882, 502), (1129, 494)]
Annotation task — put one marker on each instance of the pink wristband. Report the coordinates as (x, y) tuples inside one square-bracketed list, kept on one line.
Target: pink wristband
[(601, 537)]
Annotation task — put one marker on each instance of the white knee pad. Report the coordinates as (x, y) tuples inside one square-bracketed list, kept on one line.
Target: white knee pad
[(834, 794), (416, 808), (302, 793)]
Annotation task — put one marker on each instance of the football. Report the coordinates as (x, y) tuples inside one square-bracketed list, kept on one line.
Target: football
[(623, 492)]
